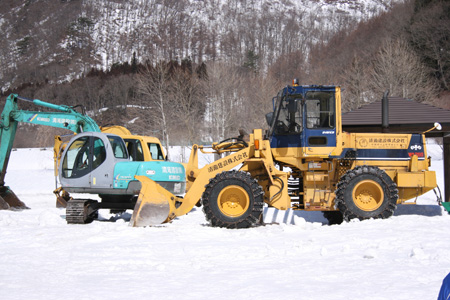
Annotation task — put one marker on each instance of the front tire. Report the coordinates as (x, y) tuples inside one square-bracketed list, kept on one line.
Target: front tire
[(233, 199), (366, 192)]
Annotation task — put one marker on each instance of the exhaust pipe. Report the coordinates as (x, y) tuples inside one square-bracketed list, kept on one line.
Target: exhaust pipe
[(385, 112)]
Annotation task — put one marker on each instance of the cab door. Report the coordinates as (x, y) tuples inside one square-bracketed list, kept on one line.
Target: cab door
[(75, 166), (107, 151), (319, 134), (101, 175)]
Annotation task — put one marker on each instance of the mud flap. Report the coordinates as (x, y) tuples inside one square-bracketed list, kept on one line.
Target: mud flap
[(152, 206), (9, 200)]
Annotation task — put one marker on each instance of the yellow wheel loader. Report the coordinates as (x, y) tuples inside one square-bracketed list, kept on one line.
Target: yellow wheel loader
[(304, 161)]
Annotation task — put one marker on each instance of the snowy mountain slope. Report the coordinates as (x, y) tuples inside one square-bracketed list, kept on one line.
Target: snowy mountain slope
[(124, 28), (66, 39)]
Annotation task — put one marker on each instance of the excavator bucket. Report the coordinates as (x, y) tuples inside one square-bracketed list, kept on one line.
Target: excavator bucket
[(3, 204), (62, 197), (9, 200), (152, 206)]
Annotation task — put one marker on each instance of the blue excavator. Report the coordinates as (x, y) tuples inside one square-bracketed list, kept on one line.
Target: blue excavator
[(92, 162)]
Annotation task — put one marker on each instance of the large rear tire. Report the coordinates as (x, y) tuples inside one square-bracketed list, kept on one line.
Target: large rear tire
[(233, 199), (366, 192)]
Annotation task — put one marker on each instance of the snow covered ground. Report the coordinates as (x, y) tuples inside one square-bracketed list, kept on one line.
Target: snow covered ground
[(41, 257)]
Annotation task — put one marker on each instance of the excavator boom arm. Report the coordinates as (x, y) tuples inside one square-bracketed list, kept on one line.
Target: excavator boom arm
[(68, 118)]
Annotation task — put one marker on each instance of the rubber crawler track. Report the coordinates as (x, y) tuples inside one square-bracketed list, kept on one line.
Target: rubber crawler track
[(210, 207), (77, 212), (390, 188)]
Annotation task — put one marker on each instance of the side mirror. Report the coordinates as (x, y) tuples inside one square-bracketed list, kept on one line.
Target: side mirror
[(438, 126), (269, 118)]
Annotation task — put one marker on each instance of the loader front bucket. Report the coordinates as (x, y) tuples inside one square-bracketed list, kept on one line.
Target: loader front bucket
[(9, 200), (153, 206)]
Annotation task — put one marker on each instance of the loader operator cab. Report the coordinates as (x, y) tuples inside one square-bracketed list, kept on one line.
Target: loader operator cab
[(142, 148), (303, 116), (135, 150)]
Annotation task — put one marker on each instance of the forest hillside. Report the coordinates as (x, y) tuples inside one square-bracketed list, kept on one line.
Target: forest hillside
[(198, 71)]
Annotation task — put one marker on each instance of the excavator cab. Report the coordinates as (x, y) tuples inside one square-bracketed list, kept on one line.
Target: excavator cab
[(89, 160), (99, 163)]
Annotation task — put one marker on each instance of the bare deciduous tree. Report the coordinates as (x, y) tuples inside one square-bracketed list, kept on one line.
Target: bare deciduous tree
[(430, 31), (397, 68), (289, 66), (356, 81), (223, 100), (155, 88), (258, 93), (188, 103)]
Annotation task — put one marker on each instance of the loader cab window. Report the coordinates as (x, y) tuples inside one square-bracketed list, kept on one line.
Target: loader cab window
[(290, 118), (156, 152), (320, 110), (118, 146), (134, 148)]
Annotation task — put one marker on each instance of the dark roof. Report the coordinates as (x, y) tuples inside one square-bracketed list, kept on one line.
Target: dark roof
[(404, 116), (401, 111)]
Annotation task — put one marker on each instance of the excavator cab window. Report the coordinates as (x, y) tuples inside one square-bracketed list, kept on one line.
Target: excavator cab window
[(99, 154), (79, 160), (118, 146), (76, 162)]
